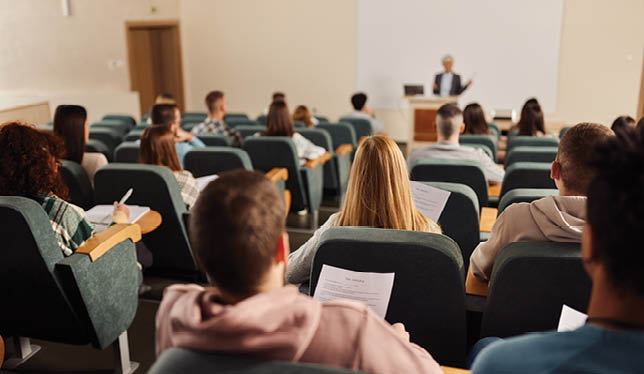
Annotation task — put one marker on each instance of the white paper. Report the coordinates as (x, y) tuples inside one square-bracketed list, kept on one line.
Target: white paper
[(202, 182), (571, 319), (429, 200), (373, 289), (101, 215)]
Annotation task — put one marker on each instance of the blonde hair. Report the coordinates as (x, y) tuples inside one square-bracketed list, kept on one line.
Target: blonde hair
[(379, 193), (302, 113)]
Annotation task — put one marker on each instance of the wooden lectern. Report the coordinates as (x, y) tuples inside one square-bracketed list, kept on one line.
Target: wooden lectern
[(422, 121)]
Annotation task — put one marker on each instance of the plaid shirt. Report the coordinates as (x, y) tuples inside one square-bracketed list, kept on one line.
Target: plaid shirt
[(68, 221), (217, 127), (188, 186)]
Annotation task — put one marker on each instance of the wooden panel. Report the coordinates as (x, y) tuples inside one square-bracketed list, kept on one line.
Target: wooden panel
[(36, 114), (640, 106), (425, 125), (141, 66)]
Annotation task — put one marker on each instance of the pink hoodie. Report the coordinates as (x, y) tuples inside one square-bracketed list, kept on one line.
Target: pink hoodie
[(286, 325)]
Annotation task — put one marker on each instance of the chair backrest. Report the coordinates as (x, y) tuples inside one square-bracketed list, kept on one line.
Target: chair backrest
[(129, 120), (95, 145), (181, 360), (321, 118), (216, 140), (246, 131), (530, 154), (360, 125), (234, 122), (467, 172), (299, 124), (198, 116), (530, 283), (134, 135), (190, 122), (495, 128), (156, 187), (115, 124), (562, 132), (460, 218), (524, 195), (78, 183), (532, 141), (214, 160), (486, 140), (341, 133), (230, 116), (482, 147), (267, 152), (319, 137), (428, 294), (261, 119), (527, 175), (127, 152), (108, 136)]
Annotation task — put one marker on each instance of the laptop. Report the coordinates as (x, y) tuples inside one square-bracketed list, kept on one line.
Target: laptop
[(414, 89)]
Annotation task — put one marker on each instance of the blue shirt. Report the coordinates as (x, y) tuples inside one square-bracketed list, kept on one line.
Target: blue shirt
[(446, 83), (183, 147), (589, 349)]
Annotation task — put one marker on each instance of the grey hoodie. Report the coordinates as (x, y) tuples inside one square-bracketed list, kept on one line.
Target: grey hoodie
[(552, 218)]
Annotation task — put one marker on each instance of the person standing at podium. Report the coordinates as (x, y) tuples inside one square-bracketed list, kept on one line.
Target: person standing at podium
[(447, 83)]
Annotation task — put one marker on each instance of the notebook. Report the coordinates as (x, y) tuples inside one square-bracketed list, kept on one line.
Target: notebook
[(101, 215)]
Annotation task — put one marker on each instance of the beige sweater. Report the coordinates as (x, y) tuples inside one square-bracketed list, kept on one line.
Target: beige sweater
[(552, 218)]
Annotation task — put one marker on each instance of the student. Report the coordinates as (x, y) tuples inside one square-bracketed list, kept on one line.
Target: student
[(277, 95), (621, 123), (552, 218), (303, 115), (169, 115), (157, 148), (640, 123), (162, 98), (378, 195), (70, 124), (214, 123), (279, 123), (362, 111), (238, 238), (531, 122), (449, 125), (612, 340), (474, 119), (29, 168)]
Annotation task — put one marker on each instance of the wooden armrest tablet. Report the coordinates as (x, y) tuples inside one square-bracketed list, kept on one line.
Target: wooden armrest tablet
[(475, 286), (149, 222), (287, 200), (494, 189), (277, 174), (488, 217), (451, 370), (343, 149), (1, 351), (102, 242), (318, 161)]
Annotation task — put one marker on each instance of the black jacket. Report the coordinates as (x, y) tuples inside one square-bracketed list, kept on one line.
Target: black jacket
[(457, 87)]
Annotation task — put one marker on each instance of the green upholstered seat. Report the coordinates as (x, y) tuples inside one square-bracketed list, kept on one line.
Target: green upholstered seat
[(156, 187), (494, 128), (531, 141), (190, 122), (249, 130), (487, 140), (361, 126), (198, 116), (428, 294), (562, 132), (129, 120), (524, 195), (134, 135), (235, 116), (181, 360), (341, 133), (321, 118), (213, 160), (299, 124), (141, 126), (127, 152), (336, 170), (121, 127), (530, 154), (69, 300), (527, 175), (108, 136), (234, 122), (95, 145), (145, 117), (261, 119), (482, 147), (469, 173), (80, 188), (216, 140), (530, 283)]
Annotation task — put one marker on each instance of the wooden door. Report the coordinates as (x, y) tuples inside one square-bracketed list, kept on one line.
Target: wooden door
[(640, 105), (154, 50)]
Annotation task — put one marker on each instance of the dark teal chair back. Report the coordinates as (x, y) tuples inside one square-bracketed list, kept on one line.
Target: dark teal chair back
[(494, 129), (530, 154), (336, 171), (95, 145), (213, 160), (530, 283), (341, 133), (127, 152), (524, 195), (108, 136), (190, 122), (234, 122), (216, 140), (261, 119), (117, 125), (527, 175), (321, 119), (78, 183), (197, 116), (428, 295), (531, 141), (235, 116), (486, 140), (562, 132), (246, 131), (361, 126), (134, 135), (129, 120)]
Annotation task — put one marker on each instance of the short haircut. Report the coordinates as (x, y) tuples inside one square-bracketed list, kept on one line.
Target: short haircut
[(158, 147), (165, 98), (235, 231), (447, 58), (616, 207), (163, 114), (278, 120), (212, 98), (69, 125), (279, 96), (449, 119), (358, 100), (573, 154)]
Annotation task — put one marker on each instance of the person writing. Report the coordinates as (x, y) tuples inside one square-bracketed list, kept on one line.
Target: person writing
[(447, 83)]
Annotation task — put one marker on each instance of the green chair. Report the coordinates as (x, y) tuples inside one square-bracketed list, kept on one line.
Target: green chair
[(299, 124), (234, 122), (469, 173), (361, 126), (494, 129), (341, 133), (246, 131), (524, 195), (428, 294), (133, 135), (486, 140), (108, 136), (530, 283), (526, 175), (129, 120), (95, 145), (261, 119), (145, 117), (119, 126), (234, 116), (181, 360), (190, 122), (321, 119), (78, 183), (531, 141), (216, 140), (562, 132), (530, 154), (155, 187), (213, 160), (127, 152), (80, 299), (196, 116)]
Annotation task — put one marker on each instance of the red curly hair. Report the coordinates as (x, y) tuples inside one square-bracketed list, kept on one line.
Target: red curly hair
[(28, 162)]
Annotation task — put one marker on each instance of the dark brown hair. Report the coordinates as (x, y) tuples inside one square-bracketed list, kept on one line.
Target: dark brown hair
[(69, 125), (531, 121), (163, 114), (235, 231), (303, 114), (157, 147), (279, 96), (29, 162), (622, 122), (575, 150), (474, 120), (212, 98), (278, 121)]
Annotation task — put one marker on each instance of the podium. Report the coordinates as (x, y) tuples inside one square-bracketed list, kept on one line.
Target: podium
[(422, 121)]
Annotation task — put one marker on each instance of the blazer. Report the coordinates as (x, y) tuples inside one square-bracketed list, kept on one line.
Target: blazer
[(457, 87)]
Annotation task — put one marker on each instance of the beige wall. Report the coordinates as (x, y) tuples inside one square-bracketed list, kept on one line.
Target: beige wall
[(249, 48)]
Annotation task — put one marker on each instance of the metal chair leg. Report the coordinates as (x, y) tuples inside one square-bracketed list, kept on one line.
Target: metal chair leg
[(122, 356), (23, 352)]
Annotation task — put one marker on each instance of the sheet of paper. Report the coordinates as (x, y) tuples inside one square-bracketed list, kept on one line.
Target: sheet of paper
[(373, 289), (202, 182), (429, 200), (570, 319), (101, 215)]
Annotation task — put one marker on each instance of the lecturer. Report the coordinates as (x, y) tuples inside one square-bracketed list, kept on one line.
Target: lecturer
[(447, 83)]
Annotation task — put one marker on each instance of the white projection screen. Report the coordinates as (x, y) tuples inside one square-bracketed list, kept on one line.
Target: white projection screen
[(510, 47)]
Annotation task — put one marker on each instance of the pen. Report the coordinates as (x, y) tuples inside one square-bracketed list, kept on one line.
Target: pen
[(121, 202)]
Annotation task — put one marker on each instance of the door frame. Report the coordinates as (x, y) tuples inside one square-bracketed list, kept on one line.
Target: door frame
[(640, 105), (129, 25)]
